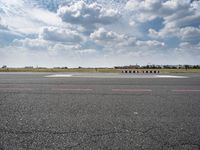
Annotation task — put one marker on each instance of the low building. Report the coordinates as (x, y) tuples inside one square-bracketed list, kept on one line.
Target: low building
[(29, 67), (4, 66)]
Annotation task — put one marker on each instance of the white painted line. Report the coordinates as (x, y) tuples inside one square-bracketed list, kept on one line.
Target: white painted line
[(131, 90), (114, 76), (186, 90), (15, 89), (170, 76), (59, 76), (59, 89)]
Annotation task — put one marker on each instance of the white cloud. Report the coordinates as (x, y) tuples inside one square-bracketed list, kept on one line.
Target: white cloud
[(47, 46), (48, 41), (188, 48), (170, 10), (177, 15), (164, 33), (32, 44), (103, 35), (110, 38), (146, 5), (13, 2), (189, 34), (3, 26), (64, 35), (150, 43), (88, 15), (144, 10), (22, 17), (113, 39)]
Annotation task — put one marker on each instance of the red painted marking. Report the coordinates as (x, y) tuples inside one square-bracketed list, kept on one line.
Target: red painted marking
[(186, 90), (131, 90), (15, 89), (59, 89)]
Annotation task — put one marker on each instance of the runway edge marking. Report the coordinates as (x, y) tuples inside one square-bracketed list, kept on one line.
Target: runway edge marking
[(186, 90), (131, 90), (59, 76), (62, 89)]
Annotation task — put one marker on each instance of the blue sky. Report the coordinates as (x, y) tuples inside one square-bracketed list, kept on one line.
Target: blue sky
[(99, 33)]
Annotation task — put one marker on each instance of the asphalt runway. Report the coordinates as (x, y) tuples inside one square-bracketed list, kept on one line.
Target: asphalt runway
[(50, 111)]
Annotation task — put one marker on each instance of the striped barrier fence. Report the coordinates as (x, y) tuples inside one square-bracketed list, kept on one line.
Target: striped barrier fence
[(141, 71)]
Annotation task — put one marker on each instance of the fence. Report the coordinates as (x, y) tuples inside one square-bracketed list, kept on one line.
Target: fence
[(141, 71)]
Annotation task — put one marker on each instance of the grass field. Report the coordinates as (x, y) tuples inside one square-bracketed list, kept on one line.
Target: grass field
[(180, 70), (100, 70), (106, 70)]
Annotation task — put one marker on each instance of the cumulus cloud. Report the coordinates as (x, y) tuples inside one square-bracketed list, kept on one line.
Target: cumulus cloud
[(190, 34), (175, 13), (178, 18), (32, 44), (88, 15), (149, 9), (192, 49), (55, 41), (150, 43), (170, 10), (64, 35), (48, 45), (103, 35), (186, 34), (110, 38)]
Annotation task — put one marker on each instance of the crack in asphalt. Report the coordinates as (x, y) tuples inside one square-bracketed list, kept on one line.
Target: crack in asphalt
[(10, 131)]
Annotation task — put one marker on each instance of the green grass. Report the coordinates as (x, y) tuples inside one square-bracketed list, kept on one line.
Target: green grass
[(103, 70), (93, 70), (180, 71)]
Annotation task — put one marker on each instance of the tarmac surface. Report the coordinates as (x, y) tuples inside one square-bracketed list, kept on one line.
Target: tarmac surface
[(50, 111)]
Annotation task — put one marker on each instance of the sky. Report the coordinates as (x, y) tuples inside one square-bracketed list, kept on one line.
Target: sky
[(99, 33)]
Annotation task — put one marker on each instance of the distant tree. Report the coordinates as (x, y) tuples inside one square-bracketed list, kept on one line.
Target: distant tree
[(159, 67), (196, 67), (174, 67), (166, 67)]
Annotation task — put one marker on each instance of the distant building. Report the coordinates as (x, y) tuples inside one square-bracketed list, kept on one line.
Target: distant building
[(29, 67), (56, 68), (41, 67), (4, 66)]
